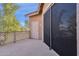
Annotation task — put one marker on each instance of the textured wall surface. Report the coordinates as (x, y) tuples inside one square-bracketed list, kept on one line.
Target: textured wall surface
[(36, 18), (10, 37)]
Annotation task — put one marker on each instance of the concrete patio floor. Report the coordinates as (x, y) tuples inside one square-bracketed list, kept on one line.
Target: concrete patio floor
[(28, 47)]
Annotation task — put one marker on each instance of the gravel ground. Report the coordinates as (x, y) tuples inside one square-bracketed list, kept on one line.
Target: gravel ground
[(28, 47)]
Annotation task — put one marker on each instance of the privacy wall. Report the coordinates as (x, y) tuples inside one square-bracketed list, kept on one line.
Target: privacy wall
[(60, 28)]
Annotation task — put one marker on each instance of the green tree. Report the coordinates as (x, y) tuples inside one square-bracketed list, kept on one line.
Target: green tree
[(26, 25), (26, 22), (10, 22), (1, 21)]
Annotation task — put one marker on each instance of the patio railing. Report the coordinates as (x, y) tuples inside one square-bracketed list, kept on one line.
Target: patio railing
[(7, 37)]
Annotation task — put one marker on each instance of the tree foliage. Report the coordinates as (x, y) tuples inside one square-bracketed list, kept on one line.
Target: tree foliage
[(10, 23), (1, 21), (27, 25)]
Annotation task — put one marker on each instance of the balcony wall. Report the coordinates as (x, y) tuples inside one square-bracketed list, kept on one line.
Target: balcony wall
[(13, 36)]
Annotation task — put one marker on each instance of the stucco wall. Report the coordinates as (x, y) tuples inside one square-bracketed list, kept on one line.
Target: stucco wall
[(10, 36), (45, 7)]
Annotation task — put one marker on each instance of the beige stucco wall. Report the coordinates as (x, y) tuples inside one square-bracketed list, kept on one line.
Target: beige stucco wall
[(10, 36), (45, 7), (36, 18)]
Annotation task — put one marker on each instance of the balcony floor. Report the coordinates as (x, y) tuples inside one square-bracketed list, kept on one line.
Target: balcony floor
[(28, 47)]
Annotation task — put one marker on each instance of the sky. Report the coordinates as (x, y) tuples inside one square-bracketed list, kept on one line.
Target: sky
[(24, 8)]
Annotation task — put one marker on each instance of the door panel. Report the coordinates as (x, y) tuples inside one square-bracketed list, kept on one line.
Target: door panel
[(34, 31), (63, 28)]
